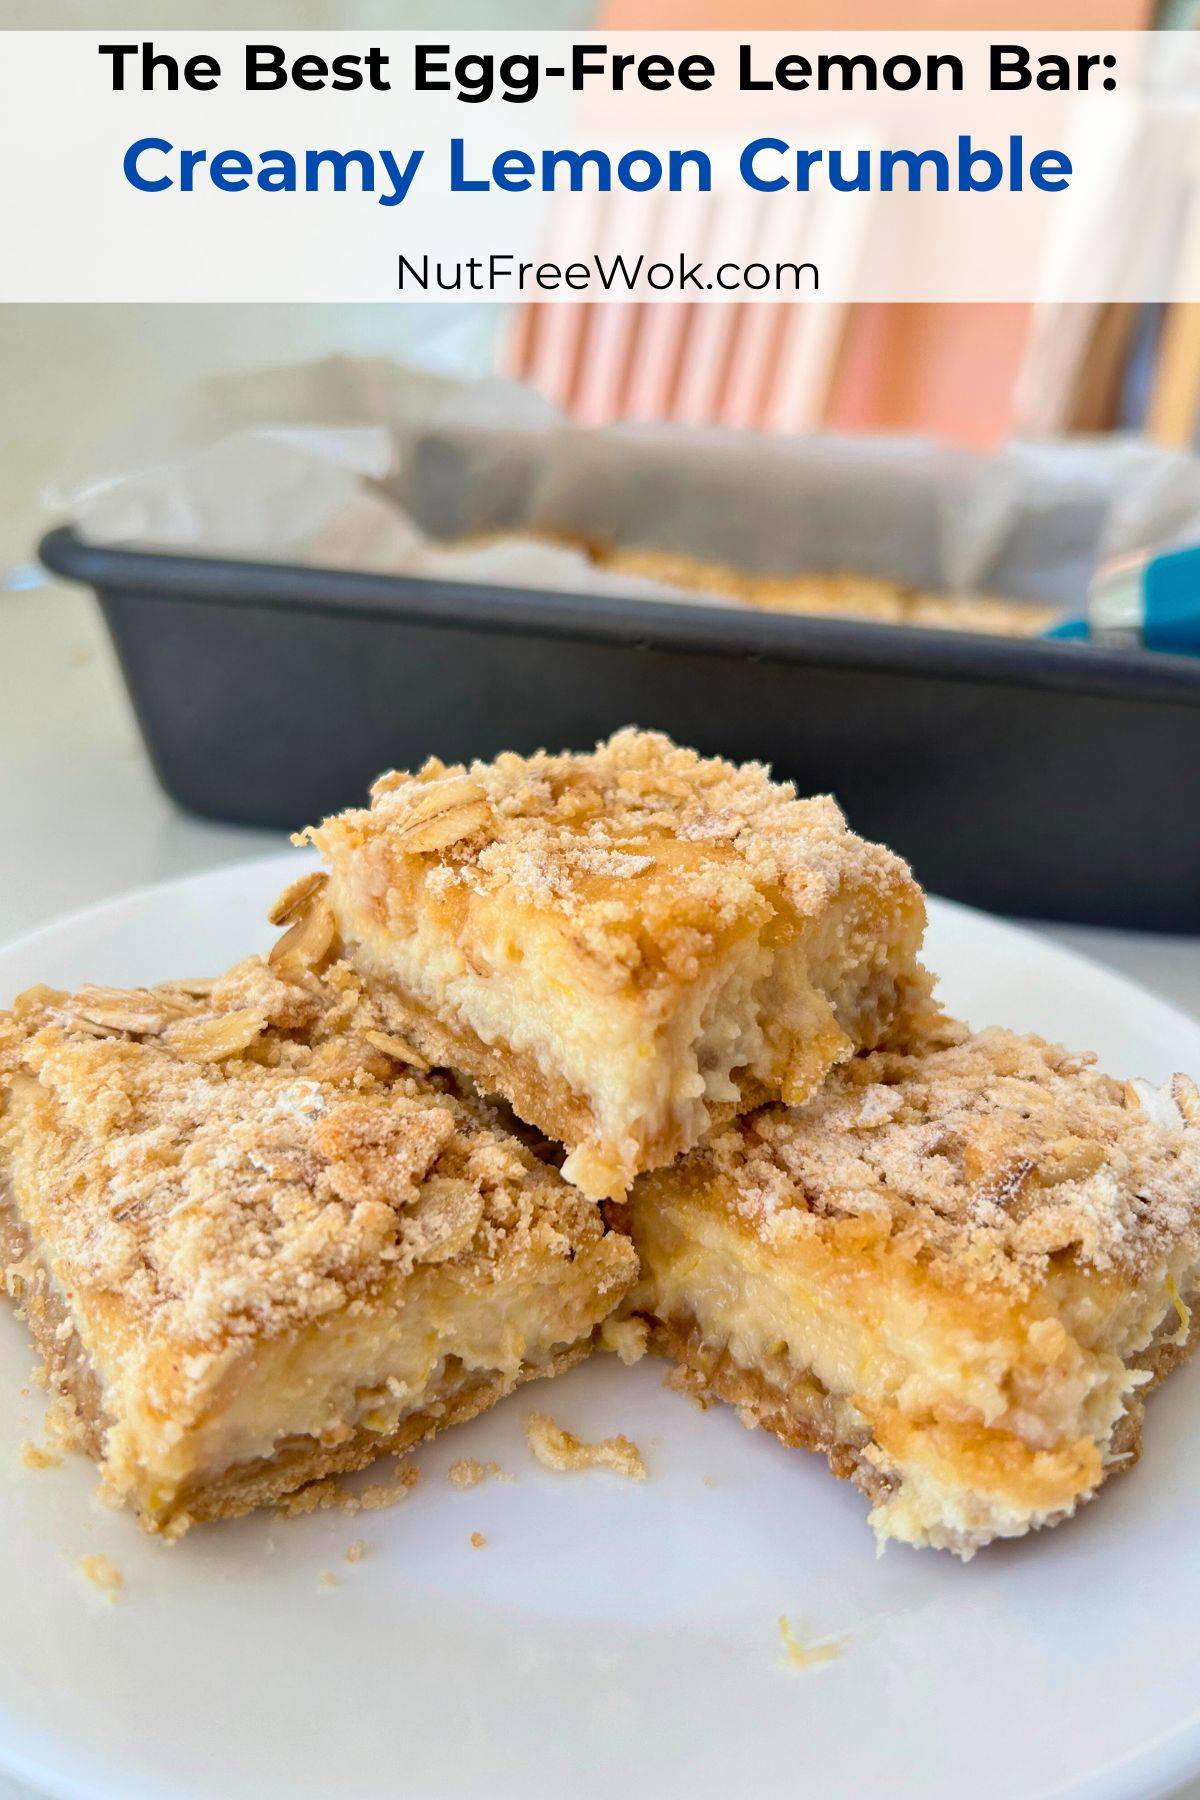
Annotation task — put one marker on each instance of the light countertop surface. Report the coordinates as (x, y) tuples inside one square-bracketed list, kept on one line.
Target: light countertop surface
[(81, 816)]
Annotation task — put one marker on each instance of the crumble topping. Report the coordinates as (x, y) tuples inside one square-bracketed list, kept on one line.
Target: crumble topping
[(644, 850), (840, 593), (985, 1155), (240, 1157), (560, 1450)]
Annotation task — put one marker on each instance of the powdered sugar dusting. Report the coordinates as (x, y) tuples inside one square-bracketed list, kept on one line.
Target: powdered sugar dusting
[(984, 1156), (235, 1198), (644, 850)]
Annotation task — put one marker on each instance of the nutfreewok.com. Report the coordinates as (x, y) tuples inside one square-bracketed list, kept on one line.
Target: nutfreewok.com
[(502, 272)]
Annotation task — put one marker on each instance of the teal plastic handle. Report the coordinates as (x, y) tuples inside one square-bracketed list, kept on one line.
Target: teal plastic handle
[(1158, 604), (1171, 595), (1074, 630)]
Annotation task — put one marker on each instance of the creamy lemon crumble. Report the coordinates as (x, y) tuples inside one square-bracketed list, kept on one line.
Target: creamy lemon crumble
[(266, 1227), (955, 1271), (625, 944), (257, 1249)]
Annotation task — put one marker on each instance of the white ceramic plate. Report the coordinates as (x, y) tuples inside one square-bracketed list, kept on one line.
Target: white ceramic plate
[(609, 1638)]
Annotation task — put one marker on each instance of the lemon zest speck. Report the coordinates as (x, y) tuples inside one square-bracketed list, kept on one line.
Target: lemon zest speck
[(1185, 1314), (807, 1656)]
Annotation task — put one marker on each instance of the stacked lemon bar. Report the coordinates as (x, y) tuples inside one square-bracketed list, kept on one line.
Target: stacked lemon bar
[(564, 1041)]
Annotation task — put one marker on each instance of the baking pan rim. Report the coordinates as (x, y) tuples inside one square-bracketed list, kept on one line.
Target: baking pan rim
[(918, 651)]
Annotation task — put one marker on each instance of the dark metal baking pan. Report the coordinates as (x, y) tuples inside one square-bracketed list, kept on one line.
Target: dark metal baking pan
[(1052, 780)]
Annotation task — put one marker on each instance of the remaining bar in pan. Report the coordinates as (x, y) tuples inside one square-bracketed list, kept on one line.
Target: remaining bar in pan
[(256, 1246), (955, 1272), (840, 593), (625, 944)]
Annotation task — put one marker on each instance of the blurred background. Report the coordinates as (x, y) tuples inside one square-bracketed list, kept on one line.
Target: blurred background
[(968, 375), (1072, 426)]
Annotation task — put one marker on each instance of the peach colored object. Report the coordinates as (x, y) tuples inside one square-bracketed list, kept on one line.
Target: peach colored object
[(1174, 411), (945, 371), (743, 364), (875, 15)]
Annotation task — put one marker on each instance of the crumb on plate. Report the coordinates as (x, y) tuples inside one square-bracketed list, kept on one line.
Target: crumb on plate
[(330, 1495), (356, 1551), (477, 1540), (103, 1573), (382, 1494), (627, 1338), (807, 1656), (562, 1451), (35, 1456), (63, 1426), (469, 1472)]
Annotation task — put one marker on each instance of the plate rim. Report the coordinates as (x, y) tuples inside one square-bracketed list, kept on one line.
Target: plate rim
[(1147, 1773)]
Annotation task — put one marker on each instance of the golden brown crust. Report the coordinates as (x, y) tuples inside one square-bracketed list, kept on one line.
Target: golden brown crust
[(67, 1370), (646, 853), (984, 1157)]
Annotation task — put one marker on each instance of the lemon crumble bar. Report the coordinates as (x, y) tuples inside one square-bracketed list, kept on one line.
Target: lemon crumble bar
[(836, 593), (257, 1248), (625, 944), (955, 1271)]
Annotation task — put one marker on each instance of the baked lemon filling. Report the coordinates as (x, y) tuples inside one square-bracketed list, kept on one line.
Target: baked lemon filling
[(989, 1425), (419, 1343)]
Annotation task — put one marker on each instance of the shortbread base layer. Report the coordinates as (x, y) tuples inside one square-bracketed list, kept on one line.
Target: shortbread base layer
[(803, 1416), (459, 1396)]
